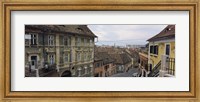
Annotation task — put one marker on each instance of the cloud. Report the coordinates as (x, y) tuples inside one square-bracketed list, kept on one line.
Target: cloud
[(125, 34)]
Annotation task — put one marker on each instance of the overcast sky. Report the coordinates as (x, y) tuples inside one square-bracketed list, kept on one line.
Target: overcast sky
[(125, 34)]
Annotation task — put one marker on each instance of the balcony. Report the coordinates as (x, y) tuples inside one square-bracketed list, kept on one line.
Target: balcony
[(170, 66)]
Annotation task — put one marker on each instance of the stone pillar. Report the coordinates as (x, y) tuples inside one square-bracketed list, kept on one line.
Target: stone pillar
[(57, 53), (37, 73), (91, 69), (79, 72), (85, 69), (163, 66), (73, 52)]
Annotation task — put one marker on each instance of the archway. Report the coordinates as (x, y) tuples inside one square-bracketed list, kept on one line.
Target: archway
[(66, 73)]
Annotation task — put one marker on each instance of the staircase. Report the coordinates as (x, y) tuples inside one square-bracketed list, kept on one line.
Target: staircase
[(155, 71)]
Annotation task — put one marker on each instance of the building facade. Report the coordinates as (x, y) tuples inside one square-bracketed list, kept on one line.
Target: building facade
[(123, 62), (143, 64), (104, 65), (64, 48), (161, 53)]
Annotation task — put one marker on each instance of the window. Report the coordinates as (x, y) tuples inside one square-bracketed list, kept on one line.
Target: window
[(61, 57), (85, 57), (89, 56), (97, 64), (91, 42), (80, 29), (51, 58), (51, 40), (154, 49), (67, 41), (151, 49), (85, 42), (167, 49), (26, 42), (78, 41), (33, 39), (86, 70), (78, 57), (66, 57)]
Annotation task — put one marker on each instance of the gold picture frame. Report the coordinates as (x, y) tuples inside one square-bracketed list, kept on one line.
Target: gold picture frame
[(166, 5)]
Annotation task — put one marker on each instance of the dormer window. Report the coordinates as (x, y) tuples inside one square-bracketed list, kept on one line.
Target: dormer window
[(168, 29), (79, 29)]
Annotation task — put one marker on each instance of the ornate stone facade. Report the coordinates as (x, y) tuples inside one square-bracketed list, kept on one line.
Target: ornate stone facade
[(61, 48)]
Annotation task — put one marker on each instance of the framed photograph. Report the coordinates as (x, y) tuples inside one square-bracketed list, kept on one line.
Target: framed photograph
[(100, 49)]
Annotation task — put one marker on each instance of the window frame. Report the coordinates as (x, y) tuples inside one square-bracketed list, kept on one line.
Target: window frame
[(51, 40), (34, 38), (78, 57), (169, 48), (67, 40), (66, 55), (51, 56), (154, 50)]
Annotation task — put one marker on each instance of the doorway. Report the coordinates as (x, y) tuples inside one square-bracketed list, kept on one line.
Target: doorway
[(167, 49), (33, 62)]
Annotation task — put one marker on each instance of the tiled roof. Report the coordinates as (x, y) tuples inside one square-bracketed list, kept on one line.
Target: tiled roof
[(143, 55), (121, 58), (109, 50), (167, 33), (115, 53), (104, 56), (72, 29), (132, 53)]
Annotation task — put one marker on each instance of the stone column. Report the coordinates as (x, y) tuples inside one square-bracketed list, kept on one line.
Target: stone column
[(79, 72), (57, 53), (37, 72), (163, 66), (73, 51), (92, 69)]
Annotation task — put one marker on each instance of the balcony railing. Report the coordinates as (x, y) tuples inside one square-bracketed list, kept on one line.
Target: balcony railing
[(155, 71), (171, 66)]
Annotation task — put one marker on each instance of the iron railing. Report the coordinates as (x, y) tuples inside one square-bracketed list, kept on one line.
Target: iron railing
[(171, 66), (155, 71)]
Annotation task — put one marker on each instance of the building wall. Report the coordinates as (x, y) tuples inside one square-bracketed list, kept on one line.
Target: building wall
[(154, 59), (143, 64), (58, 49)]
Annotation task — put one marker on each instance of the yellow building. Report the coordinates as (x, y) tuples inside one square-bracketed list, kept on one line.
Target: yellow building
[(162, 48)]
